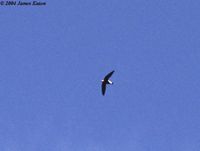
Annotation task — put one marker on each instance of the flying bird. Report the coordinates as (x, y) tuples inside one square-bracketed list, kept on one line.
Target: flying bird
[(106, 81)]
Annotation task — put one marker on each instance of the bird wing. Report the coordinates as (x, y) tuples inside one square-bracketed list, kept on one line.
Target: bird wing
[(103, 87), (108, 75)]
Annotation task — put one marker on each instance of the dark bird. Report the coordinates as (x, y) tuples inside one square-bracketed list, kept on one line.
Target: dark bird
[(106, 81)]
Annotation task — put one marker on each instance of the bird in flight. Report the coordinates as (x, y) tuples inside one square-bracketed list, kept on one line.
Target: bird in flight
[(106, 81)]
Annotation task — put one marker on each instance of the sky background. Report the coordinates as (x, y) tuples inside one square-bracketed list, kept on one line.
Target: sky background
[(52, 61)]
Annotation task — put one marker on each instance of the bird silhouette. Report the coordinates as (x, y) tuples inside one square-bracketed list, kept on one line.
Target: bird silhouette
[(106, 81)]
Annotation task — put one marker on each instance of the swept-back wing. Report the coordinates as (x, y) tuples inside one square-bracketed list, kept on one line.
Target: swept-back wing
[(108, 75), (103, 87)]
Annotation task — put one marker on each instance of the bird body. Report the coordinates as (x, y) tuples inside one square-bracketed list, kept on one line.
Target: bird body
[(106, 81)]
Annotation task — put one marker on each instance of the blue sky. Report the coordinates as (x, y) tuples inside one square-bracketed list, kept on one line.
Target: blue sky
[(52, 60)]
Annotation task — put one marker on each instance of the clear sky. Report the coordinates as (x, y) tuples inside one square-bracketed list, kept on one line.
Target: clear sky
[(52, 61)]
